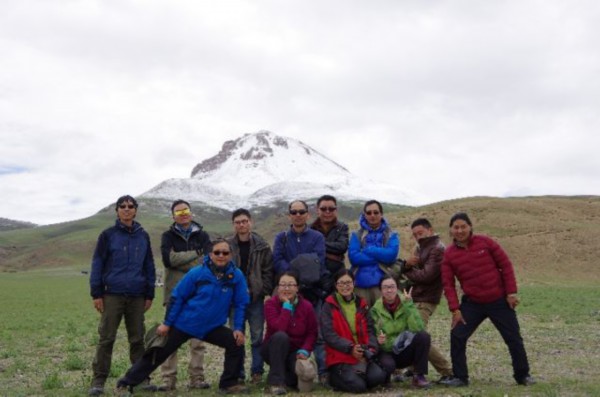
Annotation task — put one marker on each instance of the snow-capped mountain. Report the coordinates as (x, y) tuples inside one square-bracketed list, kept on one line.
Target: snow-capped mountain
[(263, 168)]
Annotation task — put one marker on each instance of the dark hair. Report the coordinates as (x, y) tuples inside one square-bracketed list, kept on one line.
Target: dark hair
[(341, 273), (124, 199), (370, 202), (421, 222), (387, 277), (298, 201), (290, 273), (218, 241), (240, 211), (462, 216), (177, 202), (326, 197)]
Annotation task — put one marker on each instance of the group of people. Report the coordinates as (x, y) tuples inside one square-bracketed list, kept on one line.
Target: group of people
[(361, 327)]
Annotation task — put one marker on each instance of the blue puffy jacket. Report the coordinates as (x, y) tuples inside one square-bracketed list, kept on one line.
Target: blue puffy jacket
[(123, 263), (377, 246), (200, 302)]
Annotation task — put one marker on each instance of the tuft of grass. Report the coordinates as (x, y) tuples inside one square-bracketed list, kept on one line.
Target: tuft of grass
[(52, 381)]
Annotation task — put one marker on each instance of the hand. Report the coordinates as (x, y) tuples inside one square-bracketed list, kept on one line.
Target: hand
[(457, 318), (147, 305), (407, 295), (381, 338), (240, 338), (412, 261), (357, 352), (99, 304), (512, 300), (162, 330)]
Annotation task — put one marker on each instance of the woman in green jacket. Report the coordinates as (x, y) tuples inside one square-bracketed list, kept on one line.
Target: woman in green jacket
[(400, 332)]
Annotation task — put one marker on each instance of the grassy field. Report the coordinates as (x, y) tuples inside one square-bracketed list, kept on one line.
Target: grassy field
[(48, 332)]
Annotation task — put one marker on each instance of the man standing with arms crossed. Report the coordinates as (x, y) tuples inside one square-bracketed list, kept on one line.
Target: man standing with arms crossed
[(253, 256), (423, 268), (182, 248)]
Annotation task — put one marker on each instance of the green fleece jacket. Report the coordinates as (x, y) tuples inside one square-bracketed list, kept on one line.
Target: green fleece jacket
[(406, 317)]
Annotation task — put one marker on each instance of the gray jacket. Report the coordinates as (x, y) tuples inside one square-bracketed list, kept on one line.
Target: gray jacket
[(259, 275)]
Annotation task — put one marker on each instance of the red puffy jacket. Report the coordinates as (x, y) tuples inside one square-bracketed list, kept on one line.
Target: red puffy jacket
[(482, 268)]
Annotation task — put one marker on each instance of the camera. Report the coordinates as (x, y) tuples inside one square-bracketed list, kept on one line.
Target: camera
[(369, 355)]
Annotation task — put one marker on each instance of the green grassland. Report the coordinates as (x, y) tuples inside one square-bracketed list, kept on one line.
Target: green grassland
[(49, 331)]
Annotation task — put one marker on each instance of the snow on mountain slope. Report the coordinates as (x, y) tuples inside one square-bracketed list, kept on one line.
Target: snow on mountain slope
[(262, 168)]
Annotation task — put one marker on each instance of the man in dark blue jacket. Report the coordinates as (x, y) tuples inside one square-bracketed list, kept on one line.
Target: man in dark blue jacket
[(122, 286)]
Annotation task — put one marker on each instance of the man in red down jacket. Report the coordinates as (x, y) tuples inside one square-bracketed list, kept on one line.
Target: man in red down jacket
[(487, 279)]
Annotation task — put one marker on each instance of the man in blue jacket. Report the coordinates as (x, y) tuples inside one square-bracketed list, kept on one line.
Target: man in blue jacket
[(122, 286), (302, 241)]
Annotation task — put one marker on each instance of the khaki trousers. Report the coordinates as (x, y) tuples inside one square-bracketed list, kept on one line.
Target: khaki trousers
[(369, 294), (437, 359), (168, 369)]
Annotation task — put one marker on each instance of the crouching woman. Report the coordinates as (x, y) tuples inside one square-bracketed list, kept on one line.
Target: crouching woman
[(400, 332), (350, 342), (290, 338), (199, 308)]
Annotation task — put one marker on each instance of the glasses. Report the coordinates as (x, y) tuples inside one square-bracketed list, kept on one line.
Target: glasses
[(220, 253), (130, 206), (344, 283), (327, 209), (241, 222), (372, 212), (390, 287), (185, 211), (287, 286), (298, 212)]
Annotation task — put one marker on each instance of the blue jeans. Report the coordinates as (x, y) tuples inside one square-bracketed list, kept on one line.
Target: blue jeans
[(319, 351), (255, 315)]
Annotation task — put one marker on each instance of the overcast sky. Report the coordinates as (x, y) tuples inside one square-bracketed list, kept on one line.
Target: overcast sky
[(450, 98)]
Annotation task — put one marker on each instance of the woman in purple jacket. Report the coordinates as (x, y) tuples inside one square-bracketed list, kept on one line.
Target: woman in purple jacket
[(291, 333)]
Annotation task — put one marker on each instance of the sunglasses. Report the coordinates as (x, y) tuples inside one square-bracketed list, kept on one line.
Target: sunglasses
[(327, 209), (220, 253), (185, 211), (372, 212), (130, 206), (298, 212)]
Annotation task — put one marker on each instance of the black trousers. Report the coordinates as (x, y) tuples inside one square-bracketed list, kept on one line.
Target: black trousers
[(349, 378), (281, 358), (415, 354), (220, 336), (504, 319)]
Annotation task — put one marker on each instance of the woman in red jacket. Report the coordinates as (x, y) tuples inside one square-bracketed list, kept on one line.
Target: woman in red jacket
[(291, 334), (487, 279), (350, 342)]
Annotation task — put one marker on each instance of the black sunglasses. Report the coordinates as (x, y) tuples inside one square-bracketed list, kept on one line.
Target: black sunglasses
[(298, 212)]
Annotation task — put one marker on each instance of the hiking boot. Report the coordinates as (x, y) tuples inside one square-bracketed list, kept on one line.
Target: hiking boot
[(324, 380), (147, 386), (420, 382), (198, 384), (169, 384), (526, 381), (96, 391), (456, 382), (443, 380), (277, 390), (256, 378), (235, 389), (123, 391)]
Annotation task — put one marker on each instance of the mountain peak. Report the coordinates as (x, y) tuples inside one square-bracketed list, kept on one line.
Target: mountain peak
[(262, 168)]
